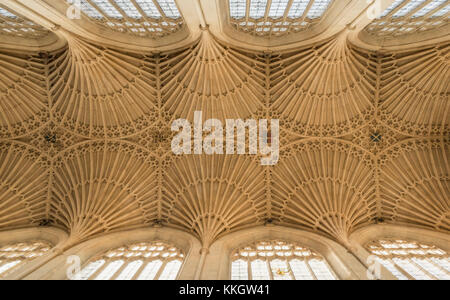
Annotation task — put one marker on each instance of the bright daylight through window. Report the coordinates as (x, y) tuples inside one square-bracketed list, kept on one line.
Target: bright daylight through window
[(278, 260), (145, 18), (198, 140), (412, 260), (276, 17), (142, 261), (405, 17)]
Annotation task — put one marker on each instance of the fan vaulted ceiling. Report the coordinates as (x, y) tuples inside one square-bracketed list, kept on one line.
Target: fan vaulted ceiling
[(85, 128)]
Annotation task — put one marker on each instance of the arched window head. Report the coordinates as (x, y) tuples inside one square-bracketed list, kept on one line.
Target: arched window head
[(411, 260), (15, 255), (141, 261), (279, 260), (145, 18)]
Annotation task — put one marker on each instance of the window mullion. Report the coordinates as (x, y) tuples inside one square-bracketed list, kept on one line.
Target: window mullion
[(288, 9), (438, 266), (291, 272), (103, 13), (305, 13), (331, 270)]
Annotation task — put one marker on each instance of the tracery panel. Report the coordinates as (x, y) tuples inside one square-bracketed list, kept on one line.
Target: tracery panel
[(279, 260), (140, 261), (412, 260)]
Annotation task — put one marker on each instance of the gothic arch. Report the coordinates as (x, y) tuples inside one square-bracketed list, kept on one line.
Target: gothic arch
[(346, 266)]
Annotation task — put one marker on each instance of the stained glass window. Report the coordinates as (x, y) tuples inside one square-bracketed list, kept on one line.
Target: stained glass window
[(279, 260)]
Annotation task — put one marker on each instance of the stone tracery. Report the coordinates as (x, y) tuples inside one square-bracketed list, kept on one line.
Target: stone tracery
[(91, 120)]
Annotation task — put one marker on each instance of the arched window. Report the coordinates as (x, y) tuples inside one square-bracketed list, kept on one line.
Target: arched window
[(276, 17), (15, 255), (412, 260), (410, 16), (277, 260), (142, 261), (146, 18)]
